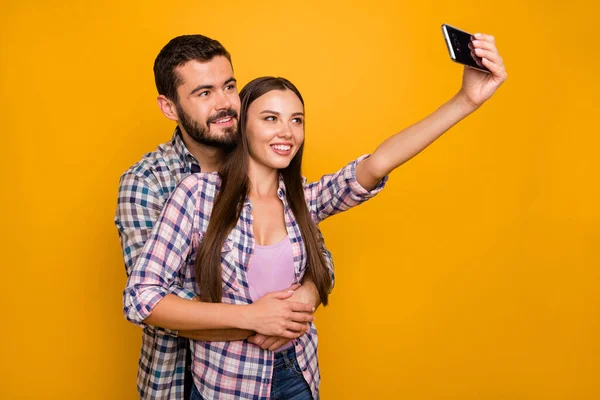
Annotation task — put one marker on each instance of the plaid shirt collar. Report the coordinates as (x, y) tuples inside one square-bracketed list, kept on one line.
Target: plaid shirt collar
[(185, 156)]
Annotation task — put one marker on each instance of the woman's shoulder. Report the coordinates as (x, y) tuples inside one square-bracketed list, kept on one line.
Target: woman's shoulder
[(200, 178), (202, 182)]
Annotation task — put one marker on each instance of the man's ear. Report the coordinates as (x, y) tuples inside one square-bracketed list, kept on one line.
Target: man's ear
[(167, 107)]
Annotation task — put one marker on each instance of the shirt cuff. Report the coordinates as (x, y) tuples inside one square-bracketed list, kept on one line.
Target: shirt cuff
[(139, 304), (356, 190)]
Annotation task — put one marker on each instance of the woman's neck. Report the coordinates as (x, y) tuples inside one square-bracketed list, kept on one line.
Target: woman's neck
[(264, 180)]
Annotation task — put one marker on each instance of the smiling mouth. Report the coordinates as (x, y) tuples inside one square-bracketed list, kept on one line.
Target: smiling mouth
[(222, 121), (282, 149)]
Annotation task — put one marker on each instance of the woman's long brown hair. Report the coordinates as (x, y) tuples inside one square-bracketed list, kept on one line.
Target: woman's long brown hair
[(233, 192)]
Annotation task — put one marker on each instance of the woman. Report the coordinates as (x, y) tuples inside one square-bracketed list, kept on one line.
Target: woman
[(251, 229)]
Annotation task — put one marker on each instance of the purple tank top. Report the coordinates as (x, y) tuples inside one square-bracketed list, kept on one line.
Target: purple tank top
[(271, 269)]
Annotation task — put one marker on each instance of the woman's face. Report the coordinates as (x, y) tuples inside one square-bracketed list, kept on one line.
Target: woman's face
[(275, 128)]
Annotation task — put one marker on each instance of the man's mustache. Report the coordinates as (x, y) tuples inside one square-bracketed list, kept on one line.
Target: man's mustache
[(223, 114)]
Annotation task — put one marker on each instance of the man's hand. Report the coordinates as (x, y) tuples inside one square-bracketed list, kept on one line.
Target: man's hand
[(307, 293), (268, 342)]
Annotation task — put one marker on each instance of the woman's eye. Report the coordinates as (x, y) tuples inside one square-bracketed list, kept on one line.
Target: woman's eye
[(297, 120), (270, 118)]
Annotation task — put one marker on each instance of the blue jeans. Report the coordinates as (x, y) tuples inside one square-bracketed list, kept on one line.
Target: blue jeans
[(288, 382)]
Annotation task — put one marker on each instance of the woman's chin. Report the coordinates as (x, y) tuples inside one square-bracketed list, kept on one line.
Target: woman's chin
[(282, 165)]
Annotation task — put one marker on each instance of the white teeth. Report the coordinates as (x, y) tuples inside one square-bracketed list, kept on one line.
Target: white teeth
[(224, 120), (281, 147)]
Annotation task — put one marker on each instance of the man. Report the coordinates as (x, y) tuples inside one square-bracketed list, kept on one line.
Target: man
[(197, 89)]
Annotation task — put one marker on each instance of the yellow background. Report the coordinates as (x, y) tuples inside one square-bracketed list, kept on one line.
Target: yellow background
[(474, 275)]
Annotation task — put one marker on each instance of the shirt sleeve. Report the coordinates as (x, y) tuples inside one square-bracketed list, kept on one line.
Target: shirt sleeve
[(139, 208), (338, 192)]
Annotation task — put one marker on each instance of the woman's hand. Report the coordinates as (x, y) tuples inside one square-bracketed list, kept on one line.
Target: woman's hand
[(272, 315), (478, 86), (308, 294)]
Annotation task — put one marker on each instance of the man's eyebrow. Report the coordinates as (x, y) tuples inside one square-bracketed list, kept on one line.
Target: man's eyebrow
[(201, 87)]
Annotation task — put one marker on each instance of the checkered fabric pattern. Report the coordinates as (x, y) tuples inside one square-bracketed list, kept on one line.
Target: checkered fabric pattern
[(237, 369), (143, 192)]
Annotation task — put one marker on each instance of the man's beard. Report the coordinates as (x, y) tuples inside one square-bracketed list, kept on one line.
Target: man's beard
[(201, 134)]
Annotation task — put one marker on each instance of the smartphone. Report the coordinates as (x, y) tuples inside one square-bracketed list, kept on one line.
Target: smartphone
[(458, 43)]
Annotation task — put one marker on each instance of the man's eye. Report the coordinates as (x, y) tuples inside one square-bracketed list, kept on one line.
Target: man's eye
[(203, 94), (229, 87)]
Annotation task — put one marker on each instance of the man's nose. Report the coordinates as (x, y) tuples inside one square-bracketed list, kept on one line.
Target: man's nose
[(223, 102)]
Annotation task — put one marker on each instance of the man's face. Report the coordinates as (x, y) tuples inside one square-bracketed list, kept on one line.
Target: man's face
[(209, 102)]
